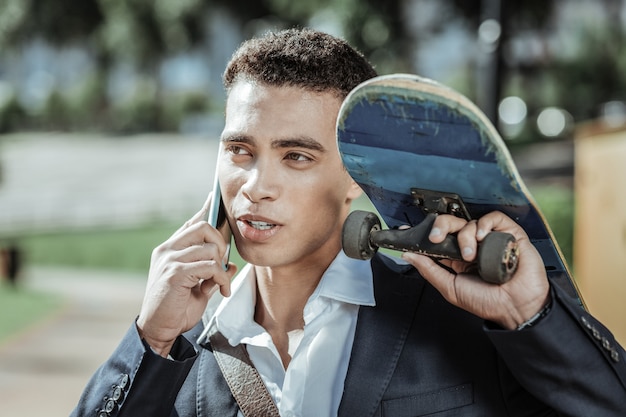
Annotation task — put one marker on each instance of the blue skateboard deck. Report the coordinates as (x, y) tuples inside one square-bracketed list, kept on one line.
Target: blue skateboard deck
[(401, 133)]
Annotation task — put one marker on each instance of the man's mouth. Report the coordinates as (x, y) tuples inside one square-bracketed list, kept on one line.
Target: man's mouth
[(257, 230), (260, 225)]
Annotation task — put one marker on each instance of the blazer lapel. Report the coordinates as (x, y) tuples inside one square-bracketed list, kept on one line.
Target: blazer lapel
[(381, 332)]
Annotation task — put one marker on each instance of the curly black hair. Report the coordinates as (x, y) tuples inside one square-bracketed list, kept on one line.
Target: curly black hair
[(299, 57)]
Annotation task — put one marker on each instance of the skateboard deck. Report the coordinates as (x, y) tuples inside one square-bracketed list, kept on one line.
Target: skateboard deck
[(407, 141)]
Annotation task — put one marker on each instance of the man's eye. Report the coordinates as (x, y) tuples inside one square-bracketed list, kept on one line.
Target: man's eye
[(297, 157), (237, 150)]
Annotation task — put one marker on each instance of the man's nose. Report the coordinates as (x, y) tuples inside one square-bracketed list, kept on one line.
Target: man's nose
[(261, 184)]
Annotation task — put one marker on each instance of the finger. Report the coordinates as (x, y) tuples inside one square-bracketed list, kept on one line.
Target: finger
[(230, 273), (202, 252), (208, 288), (221, 280), (466, 239), (198, 234), (498, 221), (193, 274), (444, 225)]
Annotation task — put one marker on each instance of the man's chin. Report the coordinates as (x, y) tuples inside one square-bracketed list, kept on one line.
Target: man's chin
[(259, 257)]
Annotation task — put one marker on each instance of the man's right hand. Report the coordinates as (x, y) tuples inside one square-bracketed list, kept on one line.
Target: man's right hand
[(185, 271)]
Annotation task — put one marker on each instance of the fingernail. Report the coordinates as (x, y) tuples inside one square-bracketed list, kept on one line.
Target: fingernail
[(467, 251), (435, 231), (481, 233)]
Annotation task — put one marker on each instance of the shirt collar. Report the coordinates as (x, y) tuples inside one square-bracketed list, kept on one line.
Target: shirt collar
[(346, 280)]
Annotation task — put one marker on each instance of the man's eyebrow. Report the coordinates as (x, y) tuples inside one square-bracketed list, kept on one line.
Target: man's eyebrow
[(237, 138), (304, 142)]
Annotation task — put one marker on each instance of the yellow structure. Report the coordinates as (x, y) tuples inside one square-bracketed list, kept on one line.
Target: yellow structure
[(600, 224)]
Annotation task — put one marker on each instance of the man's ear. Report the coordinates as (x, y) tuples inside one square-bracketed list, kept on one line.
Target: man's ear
[(354, 191)]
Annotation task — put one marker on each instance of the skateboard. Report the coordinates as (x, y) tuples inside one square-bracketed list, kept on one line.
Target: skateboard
[(419, 149)]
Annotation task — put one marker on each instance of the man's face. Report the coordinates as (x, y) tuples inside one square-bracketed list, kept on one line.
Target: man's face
[(283, 184)]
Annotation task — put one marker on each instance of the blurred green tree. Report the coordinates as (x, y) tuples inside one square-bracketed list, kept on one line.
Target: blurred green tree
[(59, 21), (143, 32), (375, 27)]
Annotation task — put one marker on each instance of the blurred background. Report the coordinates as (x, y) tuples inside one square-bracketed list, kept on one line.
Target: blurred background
[(110, 110)]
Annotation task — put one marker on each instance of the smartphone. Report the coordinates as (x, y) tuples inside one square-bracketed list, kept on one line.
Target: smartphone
[(217, 218)]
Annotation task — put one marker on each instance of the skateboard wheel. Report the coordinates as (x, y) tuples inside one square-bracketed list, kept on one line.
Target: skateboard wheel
[(356, 231), (497, 257)]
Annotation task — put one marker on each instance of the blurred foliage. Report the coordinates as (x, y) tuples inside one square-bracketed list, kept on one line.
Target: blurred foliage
[(59, 21), (519, 14), (12, 115), (145, 32), (139, 31), (597, 74)]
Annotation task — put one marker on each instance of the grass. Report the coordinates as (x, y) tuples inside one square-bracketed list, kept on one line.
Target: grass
[(123, 249), (20, 308), (111, 249)]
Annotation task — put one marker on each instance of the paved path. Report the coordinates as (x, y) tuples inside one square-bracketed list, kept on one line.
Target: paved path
[(44, 369)]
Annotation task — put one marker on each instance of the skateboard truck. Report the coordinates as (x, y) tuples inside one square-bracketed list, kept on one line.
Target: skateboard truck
[(362, 236), (438, 202)]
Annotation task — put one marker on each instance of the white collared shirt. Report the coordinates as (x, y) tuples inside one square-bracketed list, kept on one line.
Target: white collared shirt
[(312, 384)]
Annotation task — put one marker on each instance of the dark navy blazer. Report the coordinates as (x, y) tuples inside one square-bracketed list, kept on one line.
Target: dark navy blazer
[(414, 354)]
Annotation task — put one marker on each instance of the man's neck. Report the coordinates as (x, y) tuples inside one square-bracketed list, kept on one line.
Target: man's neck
[(281, 297)]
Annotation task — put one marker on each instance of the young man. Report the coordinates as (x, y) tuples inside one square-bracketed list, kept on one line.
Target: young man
[(330, 335)]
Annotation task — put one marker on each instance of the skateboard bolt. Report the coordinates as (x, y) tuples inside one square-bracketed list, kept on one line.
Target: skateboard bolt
[(417, 200), (454, 208)]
